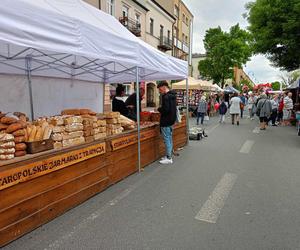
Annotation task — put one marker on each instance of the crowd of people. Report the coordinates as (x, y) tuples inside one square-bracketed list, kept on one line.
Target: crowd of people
[(272, 109)]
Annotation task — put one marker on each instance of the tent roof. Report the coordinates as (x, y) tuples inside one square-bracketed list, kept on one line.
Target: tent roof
[(72, 39), (230, 89), (194, 84)]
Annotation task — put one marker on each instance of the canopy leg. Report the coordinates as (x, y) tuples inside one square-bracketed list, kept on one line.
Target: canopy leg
[(138, 117), (28, 71), (187, 109)]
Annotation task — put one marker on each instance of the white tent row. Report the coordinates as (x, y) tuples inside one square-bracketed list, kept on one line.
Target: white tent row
[(71, 39)]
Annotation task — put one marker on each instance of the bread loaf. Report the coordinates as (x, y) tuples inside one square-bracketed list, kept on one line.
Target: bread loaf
[(58, 129), (89, 139), (72, 120), (3, 126), (39, 134), (20, 132), (14, 127), (72, 135), (73, 142), (20, 139), (20, 153), (57, 137), (7, 151), (74, 127), (32, 133), (8, 120), (56, 120), (9, 144), (6, 138), (20, 146), (57, 145), (47, 133), (7, 157), (70, 112)]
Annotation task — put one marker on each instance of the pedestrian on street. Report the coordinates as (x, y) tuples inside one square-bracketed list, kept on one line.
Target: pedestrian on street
[(264, 110), (242, 104), (235, 109), (168, 112), (280, 110), (222, 111), (287, 108), (202, 110), (275, 104), (251, 104)]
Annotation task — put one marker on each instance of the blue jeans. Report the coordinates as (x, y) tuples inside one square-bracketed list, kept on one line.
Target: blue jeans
[(167, 133), (200, 115)]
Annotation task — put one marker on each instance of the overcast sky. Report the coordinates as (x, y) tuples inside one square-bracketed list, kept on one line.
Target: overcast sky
[(226, 13)]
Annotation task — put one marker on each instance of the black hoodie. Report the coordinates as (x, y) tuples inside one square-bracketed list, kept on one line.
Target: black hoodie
[(168, 109)]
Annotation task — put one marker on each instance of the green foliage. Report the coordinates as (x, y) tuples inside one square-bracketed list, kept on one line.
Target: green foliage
[(224, 50), (275, 26), (289, 77), (276, 85)]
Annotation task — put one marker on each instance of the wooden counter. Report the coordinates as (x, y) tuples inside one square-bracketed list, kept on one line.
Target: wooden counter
[(37, 188)]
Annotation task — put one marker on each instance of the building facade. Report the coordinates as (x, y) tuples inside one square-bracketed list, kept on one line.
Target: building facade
[(196, 58), (164, 24)]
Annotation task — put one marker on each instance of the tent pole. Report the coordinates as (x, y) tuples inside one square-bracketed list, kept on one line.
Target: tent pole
[(187, 109), (28, 71), (138, 117)]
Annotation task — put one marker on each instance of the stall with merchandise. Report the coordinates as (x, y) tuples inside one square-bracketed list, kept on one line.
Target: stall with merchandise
[(52, 163)]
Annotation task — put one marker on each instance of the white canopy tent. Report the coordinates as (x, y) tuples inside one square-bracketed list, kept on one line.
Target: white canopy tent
[(71, 39)]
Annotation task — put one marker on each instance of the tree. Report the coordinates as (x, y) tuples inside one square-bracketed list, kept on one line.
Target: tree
[(289, 77), (275, 26), (276, 85), (224, 50)]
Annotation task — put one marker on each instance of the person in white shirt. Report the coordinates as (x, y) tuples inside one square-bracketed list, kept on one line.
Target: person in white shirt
[(235, 109), (287, 109)]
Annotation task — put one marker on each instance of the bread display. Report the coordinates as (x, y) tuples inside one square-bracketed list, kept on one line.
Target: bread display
[(7, 146), (113, 123)]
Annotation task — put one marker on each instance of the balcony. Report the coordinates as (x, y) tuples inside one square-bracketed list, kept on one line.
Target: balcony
[(185, 48), (132, 25), (165, 43)]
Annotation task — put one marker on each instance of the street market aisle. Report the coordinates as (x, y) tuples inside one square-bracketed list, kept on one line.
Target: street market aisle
[(237, 189)]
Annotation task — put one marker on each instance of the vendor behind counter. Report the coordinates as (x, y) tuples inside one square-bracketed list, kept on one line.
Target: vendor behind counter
[(131, 103), (118, 104)]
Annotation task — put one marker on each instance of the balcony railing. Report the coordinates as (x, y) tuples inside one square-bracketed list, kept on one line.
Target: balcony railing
[(185, 48), (131, 25), (165, 43)]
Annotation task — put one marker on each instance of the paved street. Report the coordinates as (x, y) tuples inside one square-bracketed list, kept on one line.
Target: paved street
[(237, 189)]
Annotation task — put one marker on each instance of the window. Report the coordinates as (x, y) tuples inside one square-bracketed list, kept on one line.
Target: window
[(176, 11), (110, 6), (169, 34), (183, 17), (125, 11), (186, 20), (183, 37), (175, 32), (151, 26), (161, 31), (137, 18), (186, 40)]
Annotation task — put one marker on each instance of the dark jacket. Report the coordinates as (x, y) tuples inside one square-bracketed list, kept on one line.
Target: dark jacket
[(119, 106), (168, 109), (223, 108), (131, 101)]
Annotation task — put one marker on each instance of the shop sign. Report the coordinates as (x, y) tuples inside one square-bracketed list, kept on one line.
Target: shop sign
[(126, 141), (33, 170)]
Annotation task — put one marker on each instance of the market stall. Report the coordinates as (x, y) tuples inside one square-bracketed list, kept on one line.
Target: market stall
[(83, 151), (196, 88)]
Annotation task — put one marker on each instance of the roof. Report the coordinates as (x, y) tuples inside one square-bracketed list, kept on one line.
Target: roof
[(74, 39)]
